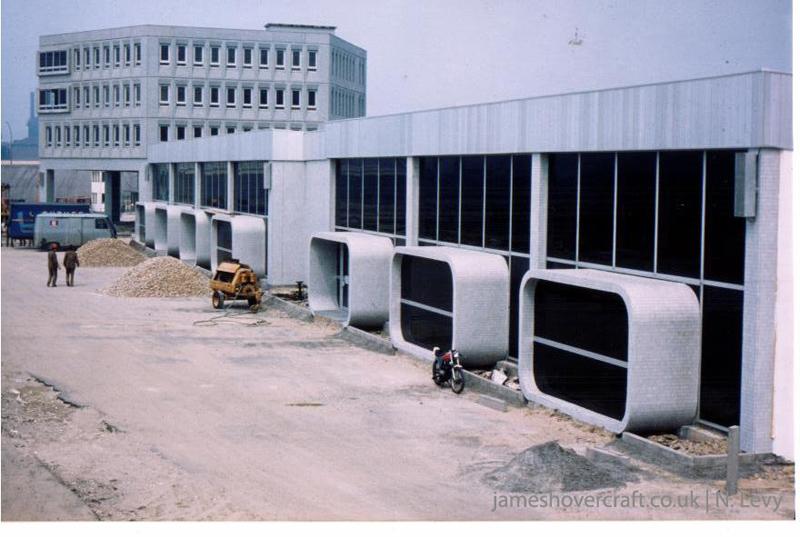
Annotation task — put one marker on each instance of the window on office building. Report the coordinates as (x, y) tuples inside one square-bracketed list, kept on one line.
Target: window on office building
[(231, 58), (117, 56), (279, 58), (97, 96), (137, 95), (198, 131), (137, 53), (198, 54), (279, 98), (164, 58), (180, 97), (250, 196), (312, 99), (87, 56), (214, 55), (76, 134), (117, 96), (247, 97), (180, 132), (127, 55), (76, 58), (106, 136), (295, 99), (214, 185), (160, 182), (295, 59), (163, 94), (184, 182), (214, 96), (198, 96), (106, 57), (263, 57), (137, 134), (126, 134), (213, 131), (312, 60), (248, 57), (96, 132), (181, 55), (230, 101), (76, 93), (127, 94), (116, 135), (263, 98), (230, 129), (106, 96), (163, 133)]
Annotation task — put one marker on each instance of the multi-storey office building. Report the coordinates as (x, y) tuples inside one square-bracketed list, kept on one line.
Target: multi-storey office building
[(106, 95), (686, 182)]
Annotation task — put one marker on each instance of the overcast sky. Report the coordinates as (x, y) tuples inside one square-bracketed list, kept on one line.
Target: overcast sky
[(434, 53)]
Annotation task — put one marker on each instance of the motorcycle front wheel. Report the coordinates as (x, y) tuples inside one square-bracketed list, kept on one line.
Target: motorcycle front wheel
[(457, 380)]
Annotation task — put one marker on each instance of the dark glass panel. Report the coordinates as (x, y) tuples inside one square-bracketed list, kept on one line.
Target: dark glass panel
[(554, 265), (448, 199), (401, 196), (387, 194), (355, 203), (679, 200), (341, 193), (562, 192), (724, 241), (425, 328), (597, 208), (498, 201), (427, 197), (519, 266), (591, 320), (589, 383), (636, 206), (721, 369), (471, 201), (521, 205), (371, 194), (426, 281)]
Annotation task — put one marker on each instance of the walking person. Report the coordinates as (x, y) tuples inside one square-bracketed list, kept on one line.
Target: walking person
[(52, 266), (71, 262)]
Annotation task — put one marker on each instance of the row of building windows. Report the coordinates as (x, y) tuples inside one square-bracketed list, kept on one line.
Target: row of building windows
[(184, 131), (250, 194), (105, 56), (198, 94), (243, 56), (123, 94), (346, 103), (94, 135), (348, 67)]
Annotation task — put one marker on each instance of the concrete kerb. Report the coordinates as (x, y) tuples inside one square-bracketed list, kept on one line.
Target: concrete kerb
[(366, 340), (139, 247), (684, 464)]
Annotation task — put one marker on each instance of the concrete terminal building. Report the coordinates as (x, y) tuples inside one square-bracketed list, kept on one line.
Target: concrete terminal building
[(106, 96), (685, 183)]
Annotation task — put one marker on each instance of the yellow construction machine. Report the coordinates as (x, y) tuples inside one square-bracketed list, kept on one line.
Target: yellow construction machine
[(235, 281)]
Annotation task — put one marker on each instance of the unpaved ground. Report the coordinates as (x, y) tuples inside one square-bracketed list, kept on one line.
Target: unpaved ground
[(128, 407)]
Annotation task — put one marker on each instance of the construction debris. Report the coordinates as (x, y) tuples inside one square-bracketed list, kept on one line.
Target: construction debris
[(692, 447), (108, 253), (160, 277)]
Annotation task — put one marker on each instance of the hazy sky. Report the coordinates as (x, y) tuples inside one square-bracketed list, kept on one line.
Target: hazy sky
[(433, 53)]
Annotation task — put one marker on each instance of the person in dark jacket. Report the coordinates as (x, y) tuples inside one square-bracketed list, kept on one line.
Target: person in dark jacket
[(52, 266), (70, 263)]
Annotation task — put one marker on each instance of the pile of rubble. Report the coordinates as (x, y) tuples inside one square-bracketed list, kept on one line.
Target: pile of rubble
[(108, 253), (160, 277), (717, 446)]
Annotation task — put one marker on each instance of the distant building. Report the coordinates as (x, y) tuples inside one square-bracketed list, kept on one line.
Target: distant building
[(26, 149), (104, 96)]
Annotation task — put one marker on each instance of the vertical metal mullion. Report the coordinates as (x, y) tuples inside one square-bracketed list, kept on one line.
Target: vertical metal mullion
[(510, 205), (438, 195), (483, 209), (702, 273), (394, 213), (460, 177), (578, 212), (378, 199), (362, 193), (614, 232), (347, 194), (655, 227)]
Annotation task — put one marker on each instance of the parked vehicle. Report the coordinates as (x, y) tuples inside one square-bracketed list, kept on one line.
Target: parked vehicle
[(447, 369), (235, 281), (22, 216), (71, 230)]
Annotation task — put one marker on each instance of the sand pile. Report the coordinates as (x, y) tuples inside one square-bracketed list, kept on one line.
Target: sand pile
[(108, 253), (160, 277)]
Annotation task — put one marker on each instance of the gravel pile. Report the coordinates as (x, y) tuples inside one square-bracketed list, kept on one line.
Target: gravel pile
[(707, 447), (108, 253), (160, 277), (550, 468)]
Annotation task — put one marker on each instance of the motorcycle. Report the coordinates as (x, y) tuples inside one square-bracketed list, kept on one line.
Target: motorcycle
[(447, 368)]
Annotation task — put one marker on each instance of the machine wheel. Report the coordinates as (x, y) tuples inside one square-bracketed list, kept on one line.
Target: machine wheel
[(438, 374), (217, 300), (254, 304), (457, 380)]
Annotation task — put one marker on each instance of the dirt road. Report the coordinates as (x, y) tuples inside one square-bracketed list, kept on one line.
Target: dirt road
[(128, 407)]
